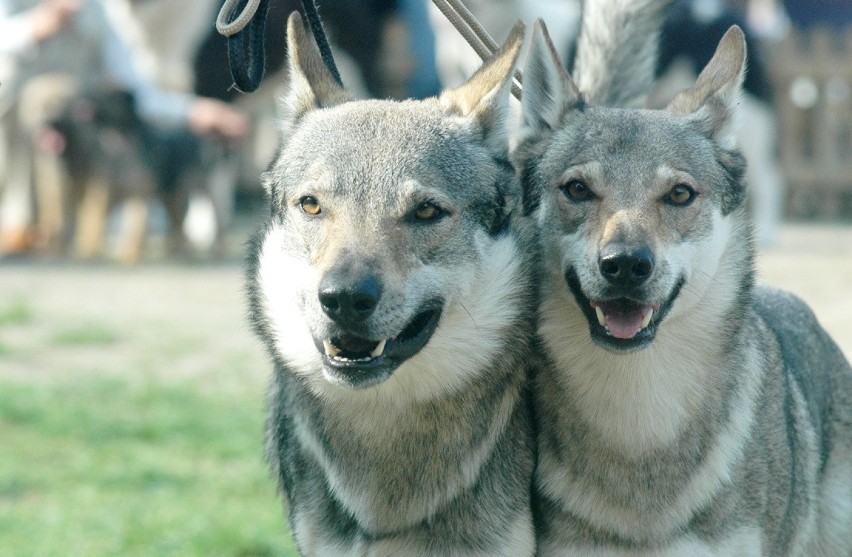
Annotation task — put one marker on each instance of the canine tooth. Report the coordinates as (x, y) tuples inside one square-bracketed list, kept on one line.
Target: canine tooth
[(380, 348), (647, 320), (330, 349), (601, 316)]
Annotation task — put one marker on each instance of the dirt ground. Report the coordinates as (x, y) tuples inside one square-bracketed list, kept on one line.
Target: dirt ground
[(73, 318), (815, 263)]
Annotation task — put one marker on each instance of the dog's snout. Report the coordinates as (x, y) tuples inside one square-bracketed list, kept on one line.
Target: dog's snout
[(626, 265), (349, 300)]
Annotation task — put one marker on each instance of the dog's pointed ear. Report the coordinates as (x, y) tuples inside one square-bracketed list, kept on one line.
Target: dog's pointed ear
[(549, 92), (310, 85), (485, 96), (713, 100)]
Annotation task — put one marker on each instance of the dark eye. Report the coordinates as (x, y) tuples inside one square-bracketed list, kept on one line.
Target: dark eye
[(576, 190), (428, 211), (310, 205), (680, 196)]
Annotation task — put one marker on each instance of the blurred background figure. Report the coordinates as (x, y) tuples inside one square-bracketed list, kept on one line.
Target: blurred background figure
[(796, 128), (812, 67), (687, 43), (53, 51), (188, 145)]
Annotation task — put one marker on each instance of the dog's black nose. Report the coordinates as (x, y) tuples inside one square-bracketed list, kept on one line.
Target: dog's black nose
[(349, 300), (626, 265)]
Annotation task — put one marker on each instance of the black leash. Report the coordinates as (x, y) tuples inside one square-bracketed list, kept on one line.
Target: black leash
[(315, 23), (243, 22), (237, 21)]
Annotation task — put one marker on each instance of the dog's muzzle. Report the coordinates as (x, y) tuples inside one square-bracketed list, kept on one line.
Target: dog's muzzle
[(360, 362)]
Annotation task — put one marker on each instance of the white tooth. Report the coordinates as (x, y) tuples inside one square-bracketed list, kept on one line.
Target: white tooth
[(601, 316), (330, 349), (647, 318), (379, 349)]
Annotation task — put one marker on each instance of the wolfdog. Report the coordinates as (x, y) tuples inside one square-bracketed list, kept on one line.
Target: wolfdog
[(398, 307), (684, 410)]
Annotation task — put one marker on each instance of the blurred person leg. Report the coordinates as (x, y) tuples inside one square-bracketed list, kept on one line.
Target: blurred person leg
[(424, 81), (41, 100), (16, 209)]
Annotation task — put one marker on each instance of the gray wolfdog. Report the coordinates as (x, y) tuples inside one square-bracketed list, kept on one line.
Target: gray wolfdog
[(398, 307), (684, 411)]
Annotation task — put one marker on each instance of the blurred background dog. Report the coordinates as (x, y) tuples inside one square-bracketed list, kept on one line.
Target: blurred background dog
[(112, 157)]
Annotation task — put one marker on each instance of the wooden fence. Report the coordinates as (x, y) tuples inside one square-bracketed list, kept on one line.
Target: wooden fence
[(812, 71)]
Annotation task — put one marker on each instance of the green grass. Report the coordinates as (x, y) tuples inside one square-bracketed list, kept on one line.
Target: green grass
[(85, 335), (16, 312), (121, 466)]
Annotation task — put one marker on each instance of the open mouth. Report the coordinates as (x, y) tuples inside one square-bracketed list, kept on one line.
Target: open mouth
[(624, 318), (360, 362), (621, 323)]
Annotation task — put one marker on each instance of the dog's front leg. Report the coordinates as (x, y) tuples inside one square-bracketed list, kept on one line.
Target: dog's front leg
[(91, 218), (134, 225)]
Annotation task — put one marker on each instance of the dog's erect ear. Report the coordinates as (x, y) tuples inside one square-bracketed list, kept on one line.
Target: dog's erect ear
[(485, 96), (713, 99), (310, 85), (549, 92)]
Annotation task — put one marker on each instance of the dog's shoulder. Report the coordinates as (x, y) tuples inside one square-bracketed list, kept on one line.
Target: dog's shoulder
[(803, 341), (811, 360)]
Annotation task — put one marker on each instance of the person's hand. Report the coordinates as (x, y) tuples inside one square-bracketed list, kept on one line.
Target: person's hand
[(211, 116), (50, 17)]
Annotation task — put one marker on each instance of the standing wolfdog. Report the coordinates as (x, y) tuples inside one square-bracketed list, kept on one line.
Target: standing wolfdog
[(398, 307), (684, 411)]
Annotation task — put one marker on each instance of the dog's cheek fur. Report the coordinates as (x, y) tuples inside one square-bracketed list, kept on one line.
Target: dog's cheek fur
[(733, 165), (279, 280), (526, 158), (698, 261)]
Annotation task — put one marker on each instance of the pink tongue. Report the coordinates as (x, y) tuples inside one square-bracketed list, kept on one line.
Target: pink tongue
[(624, 325)]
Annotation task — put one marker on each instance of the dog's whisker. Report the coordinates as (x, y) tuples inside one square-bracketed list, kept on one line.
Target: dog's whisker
[(469, 315), (711, 277)]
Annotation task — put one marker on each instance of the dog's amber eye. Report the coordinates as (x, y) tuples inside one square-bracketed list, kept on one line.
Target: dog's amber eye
[(427, 211), (576, 190), (680, 196), (310, 205)]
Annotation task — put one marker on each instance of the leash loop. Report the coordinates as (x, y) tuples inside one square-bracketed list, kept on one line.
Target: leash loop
[(227, 26)]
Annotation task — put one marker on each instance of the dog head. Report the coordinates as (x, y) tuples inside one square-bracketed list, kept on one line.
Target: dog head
[(634, 206), (99, 120), (387, 219)]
